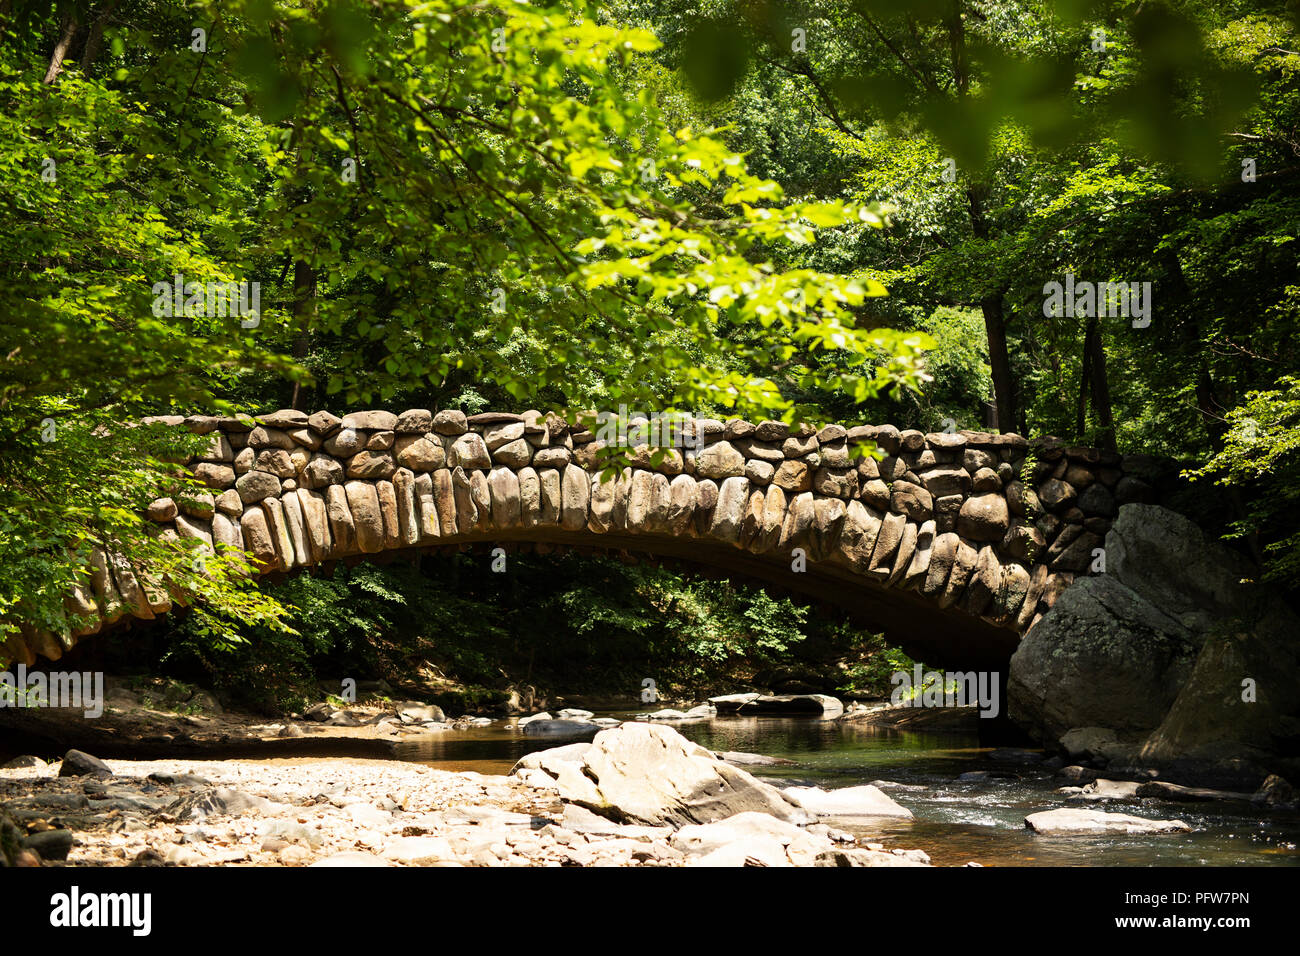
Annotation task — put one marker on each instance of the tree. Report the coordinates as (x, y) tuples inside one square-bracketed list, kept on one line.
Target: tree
[(458, 192)]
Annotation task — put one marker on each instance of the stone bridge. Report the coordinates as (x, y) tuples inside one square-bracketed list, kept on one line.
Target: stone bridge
[(953, 544)]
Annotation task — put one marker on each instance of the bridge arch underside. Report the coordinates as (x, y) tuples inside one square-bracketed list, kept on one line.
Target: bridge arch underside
[(948, 637), (953, 545)]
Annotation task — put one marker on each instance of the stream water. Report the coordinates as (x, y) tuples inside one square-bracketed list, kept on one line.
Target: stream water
[(955, 822)]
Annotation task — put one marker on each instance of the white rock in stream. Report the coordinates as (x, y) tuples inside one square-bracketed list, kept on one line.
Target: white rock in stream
[(863, 801), (747, 839), (700, 712), (1104, 790), (1069, 822)]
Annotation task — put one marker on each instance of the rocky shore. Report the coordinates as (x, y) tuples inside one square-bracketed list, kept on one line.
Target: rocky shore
[(646, 797)]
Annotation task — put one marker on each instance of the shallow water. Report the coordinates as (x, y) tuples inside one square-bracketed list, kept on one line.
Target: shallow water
[(980, 821)]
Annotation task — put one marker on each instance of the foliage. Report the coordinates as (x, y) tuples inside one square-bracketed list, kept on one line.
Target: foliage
[(456, 620), (518, 220), (1262, 453), (1019, 142), (663, 203)]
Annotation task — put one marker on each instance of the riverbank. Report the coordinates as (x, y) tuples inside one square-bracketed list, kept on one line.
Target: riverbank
[(350, 812), (956, 801), (169, 719)]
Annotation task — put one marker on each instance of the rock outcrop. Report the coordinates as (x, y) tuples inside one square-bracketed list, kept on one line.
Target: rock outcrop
[(1172, 659)]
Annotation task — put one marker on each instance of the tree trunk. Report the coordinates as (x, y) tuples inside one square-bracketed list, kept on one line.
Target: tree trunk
[(1085, 381), (995, 328), (304, 307), (1004, 394), (1100, 389), (95, 39), (1093, 383), (66, 33)]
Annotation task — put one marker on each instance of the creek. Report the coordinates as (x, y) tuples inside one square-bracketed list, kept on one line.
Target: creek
[(955, 822)]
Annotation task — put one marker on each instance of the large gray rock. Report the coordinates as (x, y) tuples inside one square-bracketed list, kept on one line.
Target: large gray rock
[(650, 774), (1237, 718), (550, 760), (1195, 672), (1101, 657), (983, 517)]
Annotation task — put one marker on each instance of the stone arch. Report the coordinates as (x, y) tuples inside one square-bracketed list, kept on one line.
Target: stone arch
[(953, 544)]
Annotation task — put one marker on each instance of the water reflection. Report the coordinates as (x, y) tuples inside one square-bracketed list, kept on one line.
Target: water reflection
[(981, 821)]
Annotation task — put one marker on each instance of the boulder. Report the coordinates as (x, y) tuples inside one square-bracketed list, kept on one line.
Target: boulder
[(983, 517), (76, 763), (1100, 658), (732, 703), (416, 711), (257, 485), (345, 442), (911, 500), (1194, 670), (863, 801), (1072, 822), (50, 844), (378, 420), (1275, 792), (1237, 717), (1091, 742), (650, 774), (24, 762), (324, 423), (1108, 790), (414, 421), (720, 460), (450, 421), (749, 839), (551, 759)]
